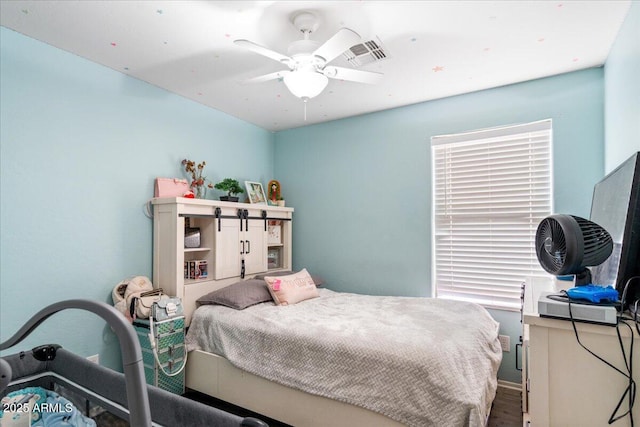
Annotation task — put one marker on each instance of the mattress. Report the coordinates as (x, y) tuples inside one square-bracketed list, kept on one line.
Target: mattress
[(419, 361)]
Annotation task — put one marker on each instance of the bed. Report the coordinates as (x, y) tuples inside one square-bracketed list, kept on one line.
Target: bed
[(84, 386), (345, 359)]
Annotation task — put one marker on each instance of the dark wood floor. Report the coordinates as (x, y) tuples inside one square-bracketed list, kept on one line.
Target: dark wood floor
[(507, 409)]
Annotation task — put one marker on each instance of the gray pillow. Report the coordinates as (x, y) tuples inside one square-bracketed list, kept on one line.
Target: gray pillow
[(239, 295)]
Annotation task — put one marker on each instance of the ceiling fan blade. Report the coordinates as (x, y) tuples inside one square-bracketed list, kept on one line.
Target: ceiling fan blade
[(359, 76), (263, 51), (267, 77), (341, 41)]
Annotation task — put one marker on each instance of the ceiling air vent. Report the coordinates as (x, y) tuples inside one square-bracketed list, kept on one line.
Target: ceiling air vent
[(365, 53)]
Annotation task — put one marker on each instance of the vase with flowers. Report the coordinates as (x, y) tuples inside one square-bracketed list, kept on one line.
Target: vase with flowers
[(199, 183)]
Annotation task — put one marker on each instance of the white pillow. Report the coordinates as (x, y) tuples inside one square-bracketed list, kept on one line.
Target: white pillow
[(293, 288)]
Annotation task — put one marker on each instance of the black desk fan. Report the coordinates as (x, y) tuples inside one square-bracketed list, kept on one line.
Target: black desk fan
[(567, 245)]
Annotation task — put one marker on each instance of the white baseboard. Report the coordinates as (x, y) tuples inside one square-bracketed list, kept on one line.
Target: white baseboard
[(509, 385)]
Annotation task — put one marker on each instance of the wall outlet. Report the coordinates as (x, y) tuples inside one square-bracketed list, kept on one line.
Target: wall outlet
[(95, 359), (505, 342)]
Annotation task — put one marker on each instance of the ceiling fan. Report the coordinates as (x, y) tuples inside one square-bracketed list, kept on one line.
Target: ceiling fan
[(309, 72)]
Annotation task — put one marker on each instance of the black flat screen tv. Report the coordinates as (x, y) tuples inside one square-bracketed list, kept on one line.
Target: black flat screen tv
[(616, 207)]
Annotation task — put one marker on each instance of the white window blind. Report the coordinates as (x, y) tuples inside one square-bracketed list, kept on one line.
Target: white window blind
[(491, 189)]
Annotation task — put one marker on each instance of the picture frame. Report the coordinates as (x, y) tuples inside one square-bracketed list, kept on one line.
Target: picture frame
[(255, 193)]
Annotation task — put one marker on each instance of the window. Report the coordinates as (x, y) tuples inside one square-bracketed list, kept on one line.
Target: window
[(491, 189)]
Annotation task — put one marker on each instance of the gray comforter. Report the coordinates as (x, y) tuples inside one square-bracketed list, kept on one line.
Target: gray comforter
[(420, 361)]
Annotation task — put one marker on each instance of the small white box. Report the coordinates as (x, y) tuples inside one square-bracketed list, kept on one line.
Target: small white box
[(601, 314)]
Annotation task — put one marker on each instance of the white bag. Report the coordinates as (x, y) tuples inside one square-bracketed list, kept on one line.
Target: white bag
[(130, 288)]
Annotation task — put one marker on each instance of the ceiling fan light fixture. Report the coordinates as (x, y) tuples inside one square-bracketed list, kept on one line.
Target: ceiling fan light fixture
[(305, 84)]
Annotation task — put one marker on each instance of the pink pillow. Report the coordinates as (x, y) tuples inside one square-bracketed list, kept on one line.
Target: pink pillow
[(293, 288)]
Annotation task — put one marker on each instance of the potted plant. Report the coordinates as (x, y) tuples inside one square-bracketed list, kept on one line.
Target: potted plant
[(231, 186)]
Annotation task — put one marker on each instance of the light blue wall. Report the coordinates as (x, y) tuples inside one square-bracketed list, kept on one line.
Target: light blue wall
[(361, 187), (622, 93), (80, 147)]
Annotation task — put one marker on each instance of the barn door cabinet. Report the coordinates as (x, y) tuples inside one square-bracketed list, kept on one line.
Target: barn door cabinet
[(202, 245), (241, 242)]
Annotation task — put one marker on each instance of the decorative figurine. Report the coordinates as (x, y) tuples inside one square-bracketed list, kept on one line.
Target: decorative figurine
[(274, 192)]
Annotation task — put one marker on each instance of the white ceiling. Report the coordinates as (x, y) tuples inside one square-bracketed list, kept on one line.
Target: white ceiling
[(436, 48)]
